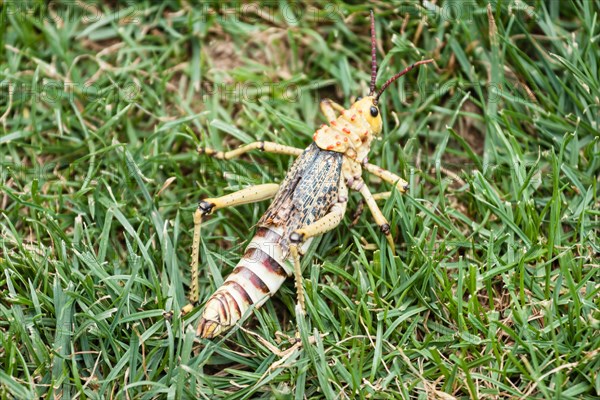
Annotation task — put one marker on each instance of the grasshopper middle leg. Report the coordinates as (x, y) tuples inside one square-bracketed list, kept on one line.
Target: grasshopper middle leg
[(251, 194), (380, 219), (269, 147), (320, 226)]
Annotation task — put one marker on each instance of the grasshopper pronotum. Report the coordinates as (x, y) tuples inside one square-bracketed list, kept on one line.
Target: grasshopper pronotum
[(309, 202)]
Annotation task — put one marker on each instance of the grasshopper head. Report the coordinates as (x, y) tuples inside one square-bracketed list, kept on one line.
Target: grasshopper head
[(367, 108)]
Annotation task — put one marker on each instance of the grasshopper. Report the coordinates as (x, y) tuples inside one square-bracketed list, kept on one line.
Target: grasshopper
[(310, 201)]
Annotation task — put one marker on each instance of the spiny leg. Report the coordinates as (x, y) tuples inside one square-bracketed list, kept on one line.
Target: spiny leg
[(320, 226), (298, 277), (208, 206), (269, 147), (380, 219)]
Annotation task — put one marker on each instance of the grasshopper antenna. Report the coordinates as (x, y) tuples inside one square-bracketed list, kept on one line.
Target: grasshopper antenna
[(398, 75), (373, 56)]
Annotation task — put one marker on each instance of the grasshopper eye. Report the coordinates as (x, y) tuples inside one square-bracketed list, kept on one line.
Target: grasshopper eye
[(374, 111)]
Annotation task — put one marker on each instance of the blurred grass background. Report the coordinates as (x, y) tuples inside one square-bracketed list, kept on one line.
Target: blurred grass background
[(493, 294)]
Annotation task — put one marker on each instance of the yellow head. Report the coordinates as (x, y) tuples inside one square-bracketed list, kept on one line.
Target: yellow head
[(367, 108), (353, 132)]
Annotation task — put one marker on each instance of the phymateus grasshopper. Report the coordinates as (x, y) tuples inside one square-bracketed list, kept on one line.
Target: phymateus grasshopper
[(309, 202)]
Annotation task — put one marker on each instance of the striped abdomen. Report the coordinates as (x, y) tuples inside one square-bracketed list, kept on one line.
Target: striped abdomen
[(306, 194), (257, 276)]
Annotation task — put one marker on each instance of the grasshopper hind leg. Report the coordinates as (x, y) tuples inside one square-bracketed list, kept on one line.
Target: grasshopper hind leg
[(208, 206), (301, 306), (193, 296)]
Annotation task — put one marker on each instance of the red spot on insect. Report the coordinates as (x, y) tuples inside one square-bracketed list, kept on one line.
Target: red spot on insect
[(332, 123), (366, 133), (359, 111), (353, 117), (345, 139), (337, 136), (338, 143), (315, 136), (346, 130), (330, 147)]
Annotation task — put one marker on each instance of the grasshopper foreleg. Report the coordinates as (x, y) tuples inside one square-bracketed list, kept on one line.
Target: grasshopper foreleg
[(328, 108), (320, 226), (251, 194)]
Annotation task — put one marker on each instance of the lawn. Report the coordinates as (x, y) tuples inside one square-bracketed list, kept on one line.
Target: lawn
[(493, 292)]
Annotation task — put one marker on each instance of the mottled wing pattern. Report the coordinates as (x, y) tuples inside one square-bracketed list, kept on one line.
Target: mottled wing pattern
[(308, 191)]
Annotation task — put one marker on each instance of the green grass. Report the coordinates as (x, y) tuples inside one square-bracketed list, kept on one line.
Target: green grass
[(494, 292)]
